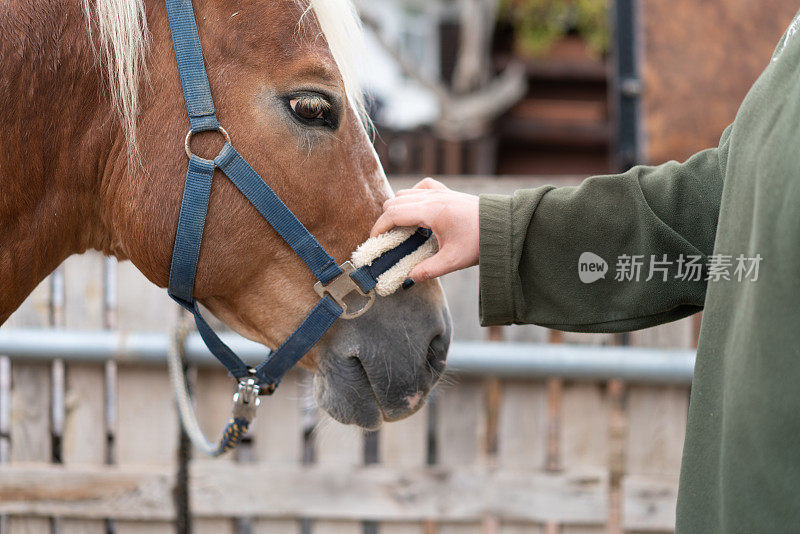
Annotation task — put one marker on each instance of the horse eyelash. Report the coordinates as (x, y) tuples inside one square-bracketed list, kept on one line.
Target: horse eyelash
[(317, 103)]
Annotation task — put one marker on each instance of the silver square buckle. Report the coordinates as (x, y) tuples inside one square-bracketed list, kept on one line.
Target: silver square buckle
[(343, 286), (245, 400)]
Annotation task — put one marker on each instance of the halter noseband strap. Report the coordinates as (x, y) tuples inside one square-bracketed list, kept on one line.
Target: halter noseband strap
[(194, 207)]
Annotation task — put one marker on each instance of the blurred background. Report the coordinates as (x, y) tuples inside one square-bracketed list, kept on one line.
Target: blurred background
[(531, 431), (515, 87)]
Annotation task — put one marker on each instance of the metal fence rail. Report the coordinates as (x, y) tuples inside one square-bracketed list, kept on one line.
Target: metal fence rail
[(525, 360)]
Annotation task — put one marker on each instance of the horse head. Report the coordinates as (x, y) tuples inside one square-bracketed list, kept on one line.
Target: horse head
[(284, 89)]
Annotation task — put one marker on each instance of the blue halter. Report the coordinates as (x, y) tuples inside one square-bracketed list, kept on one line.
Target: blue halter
[(335, 282)]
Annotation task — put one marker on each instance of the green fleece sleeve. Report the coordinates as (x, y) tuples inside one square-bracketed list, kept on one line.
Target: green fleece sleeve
[(531, 242)]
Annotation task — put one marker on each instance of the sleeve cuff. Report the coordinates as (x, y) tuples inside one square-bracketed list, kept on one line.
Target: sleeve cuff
[(495, 256)]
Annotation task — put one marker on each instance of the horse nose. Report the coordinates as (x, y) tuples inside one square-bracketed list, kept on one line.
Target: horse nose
[(437, 352)]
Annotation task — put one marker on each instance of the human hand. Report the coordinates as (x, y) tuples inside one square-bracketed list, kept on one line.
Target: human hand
[(452, 216)]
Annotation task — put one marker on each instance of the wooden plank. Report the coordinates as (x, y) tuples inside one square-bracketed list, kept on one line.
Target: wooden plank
[(461, 288), (523, 436), (331, 526), (338, 446), (278, 438), (517, 528), (278, 430), (656, 421), (83, 291), (679, 334), (285, 526), (585, 439), (462, 494), (30, 413), (526, 333), (404, 444), (415, 527), (461, 434), (457, 528), (147, 433), (87, 491), (656, 428), (28, 525), (30, 432), (214, 526), (142, 306), (579, 338), (84, 430), (84, 433), (29, 429), (148, 425), (35, 311), (461, 418), (522, 433), (213, 396), (5, 409), (649, 503), (30, 437), (584, 426), (465, 494), (141, 527), (82, 526)]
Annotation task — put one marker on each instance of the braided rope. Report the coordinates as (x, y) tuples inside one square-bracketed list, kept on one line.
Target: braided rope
[(236, 427)]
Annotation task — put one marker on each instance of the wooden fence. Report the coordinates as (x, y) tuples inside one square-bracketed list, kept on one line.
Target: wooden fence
[(97, 448)]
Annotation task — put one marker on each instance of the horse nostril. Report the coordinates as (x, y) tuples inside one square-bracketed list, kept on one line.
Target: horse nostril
[(437, 353)]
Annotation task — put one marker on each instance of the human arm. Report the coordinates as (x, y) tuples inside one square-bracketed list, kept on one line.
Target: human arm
[(531, 242), (528, 244)]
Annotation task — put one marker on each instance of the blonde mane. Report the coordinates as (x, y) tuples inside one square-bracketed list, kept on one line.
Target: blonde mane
[(121, 27)]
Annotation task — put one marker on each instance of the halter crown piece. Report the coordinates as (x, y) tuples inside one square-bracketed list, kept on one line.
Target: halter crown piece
[(336, 283)]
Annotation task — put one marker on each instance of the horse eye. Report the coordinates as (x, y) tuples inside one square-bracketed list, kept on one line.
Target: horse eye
[(310, 107)]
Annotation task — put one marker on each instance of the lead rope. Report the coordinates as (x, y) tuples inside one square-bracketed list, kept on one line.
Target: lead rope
[(245, 399)]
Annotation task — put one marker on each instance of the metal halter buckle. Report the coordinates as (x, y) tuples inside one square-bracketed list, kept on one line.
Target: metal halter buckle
[(245, 400), (343, 286)]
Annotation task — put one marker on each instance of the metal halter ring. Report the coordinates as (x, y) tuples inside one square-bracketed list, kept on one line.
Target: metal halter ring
[(189, 135)]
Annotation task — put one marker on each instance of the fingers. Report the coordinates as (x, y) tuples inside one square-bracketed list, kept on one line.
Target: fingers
[(422, 188), (435, 266), (406, 199), (409, 215), (430, 183), (406, 192)]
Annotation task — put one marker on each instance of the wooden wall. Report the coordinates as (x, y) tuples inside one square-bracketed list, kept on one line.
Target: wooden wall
[(699, 60), (95, 448)]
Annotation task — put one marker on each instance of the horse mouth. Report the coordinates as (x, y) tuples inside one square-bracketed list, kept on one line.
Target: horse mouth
[(346, 390)]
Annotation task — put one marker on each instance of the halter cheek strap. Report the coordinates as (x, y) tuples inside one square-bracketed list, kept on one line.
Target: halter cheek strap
[(335, 282)]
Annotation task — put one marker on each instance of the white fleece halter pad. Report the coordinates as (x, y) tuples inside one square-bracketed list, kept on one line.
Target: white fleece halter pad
[(372, 248)]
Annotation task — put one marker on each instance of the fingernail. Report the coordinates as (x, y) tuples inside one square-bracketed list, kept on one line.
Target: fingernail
[(408, 284)]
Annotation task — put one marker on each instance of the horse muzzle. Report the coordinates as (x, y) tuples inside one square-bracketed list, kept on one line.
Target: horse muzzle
[(383, 366)]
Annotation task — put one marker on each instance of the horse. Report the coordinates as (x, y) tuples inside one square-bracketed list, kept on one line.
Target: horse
[(93, 158)]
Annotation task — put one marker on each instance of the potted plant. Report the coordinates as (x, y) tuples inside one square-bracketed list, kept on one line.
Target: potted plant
[(545, 28)]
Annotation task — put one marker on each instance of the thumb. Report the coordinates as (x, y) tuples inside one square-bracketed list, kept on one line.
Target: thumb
[(437, 265)]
